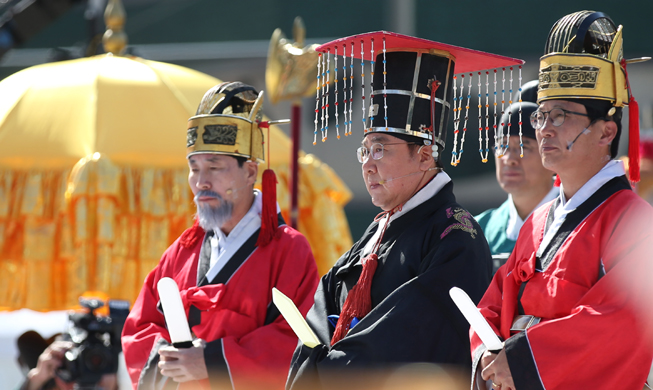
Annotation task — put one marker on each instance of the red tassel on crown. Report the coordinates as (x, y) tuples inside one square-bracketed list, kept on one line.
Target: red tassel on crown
[(269, 219), (633, 132), (633, 140), (359, 299)]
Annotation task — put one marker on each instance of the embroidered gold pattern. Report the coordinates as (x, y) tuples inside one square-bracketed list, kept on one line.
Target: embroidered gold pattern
[(220, 134), (565, 76), (191, 136)]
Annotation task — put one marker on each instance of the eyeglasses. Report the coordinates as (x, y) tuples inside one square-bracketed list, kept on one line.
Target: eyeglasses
[(557, 116), (376, 151)]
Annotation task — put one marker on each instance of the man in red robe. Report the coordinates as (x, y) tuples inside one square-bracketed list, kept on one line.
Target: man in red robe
[(572, 303), (225, 266)]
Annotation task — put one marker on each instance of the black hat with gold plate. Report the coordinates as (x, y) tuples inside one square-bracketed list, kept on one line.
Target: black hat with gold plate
[(584, 63), (227, 122)]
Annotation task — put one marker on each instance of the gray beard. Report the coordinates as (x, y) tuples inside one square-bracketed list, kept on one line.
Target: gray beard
[(212, 218)]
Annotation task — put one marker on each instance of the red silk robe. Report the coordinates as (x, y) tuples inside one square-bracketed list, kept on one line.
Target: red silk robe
[(594, 298), (247, 339)]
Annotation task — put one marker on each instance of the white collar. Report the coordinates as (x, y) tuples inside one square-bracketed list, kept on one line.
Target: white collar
[(612, 169), (515, 222), (253, 212)]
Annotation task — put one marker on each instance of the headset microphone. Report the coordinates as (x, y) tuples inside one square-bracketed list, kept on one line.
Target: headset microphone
[(232, 190), (570, 144)]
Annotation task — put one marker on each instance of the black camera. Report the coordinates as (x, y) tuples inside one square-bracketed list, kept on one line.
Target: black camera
[(96, 342)]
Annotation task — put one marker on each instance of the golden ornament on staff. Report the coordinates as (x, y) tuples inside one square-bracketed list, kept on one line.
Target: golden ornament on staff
[(289, 76), (290, 70)]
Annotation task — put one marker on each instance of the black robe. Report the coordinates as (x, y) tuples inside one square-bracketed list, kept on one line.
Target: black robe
[(425, 252)]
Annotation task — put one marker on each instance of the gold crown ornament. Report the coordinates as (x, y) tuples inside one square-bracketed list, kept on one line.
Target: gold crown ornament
[(584, 60), (229, 121), (576, 70)]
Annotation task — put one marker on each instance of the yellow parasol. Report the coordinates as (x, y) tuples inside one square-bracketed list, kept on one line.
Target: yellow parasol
[(130, 109)]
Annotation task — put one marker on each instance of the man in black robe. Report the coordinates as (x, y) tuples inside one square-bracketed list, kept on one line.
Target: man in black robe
[(385, 302)]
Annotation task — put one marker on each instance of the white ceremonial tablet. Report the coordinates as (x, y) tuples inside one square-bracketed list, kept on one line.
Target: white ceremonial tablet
[(174, 313), (475, 319), (294, 318)]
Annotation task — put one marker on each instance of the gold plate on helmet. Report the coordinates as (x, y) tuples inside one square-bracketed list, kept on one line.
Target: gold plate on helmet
[(581, 76), (224, 134)]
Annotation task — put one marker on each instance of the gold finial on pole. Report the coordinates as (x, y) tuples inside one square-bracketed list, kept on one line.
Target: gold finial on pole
[(290, 70), (114, 39), (290, 75)]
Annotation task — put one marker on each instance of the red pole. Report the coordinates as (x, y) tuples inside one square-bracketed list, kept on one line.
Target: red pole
[(294, 161)]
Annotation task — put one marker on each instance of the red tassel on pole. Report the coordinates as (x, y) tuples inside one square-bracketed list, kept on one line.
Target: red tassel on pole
[(295, 130), (269, 220), (633, 140), (359, 299)]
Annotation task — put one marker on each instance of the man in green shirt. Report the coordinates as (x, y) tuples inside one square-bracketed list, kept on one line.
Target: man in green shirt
[(528, 184)]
